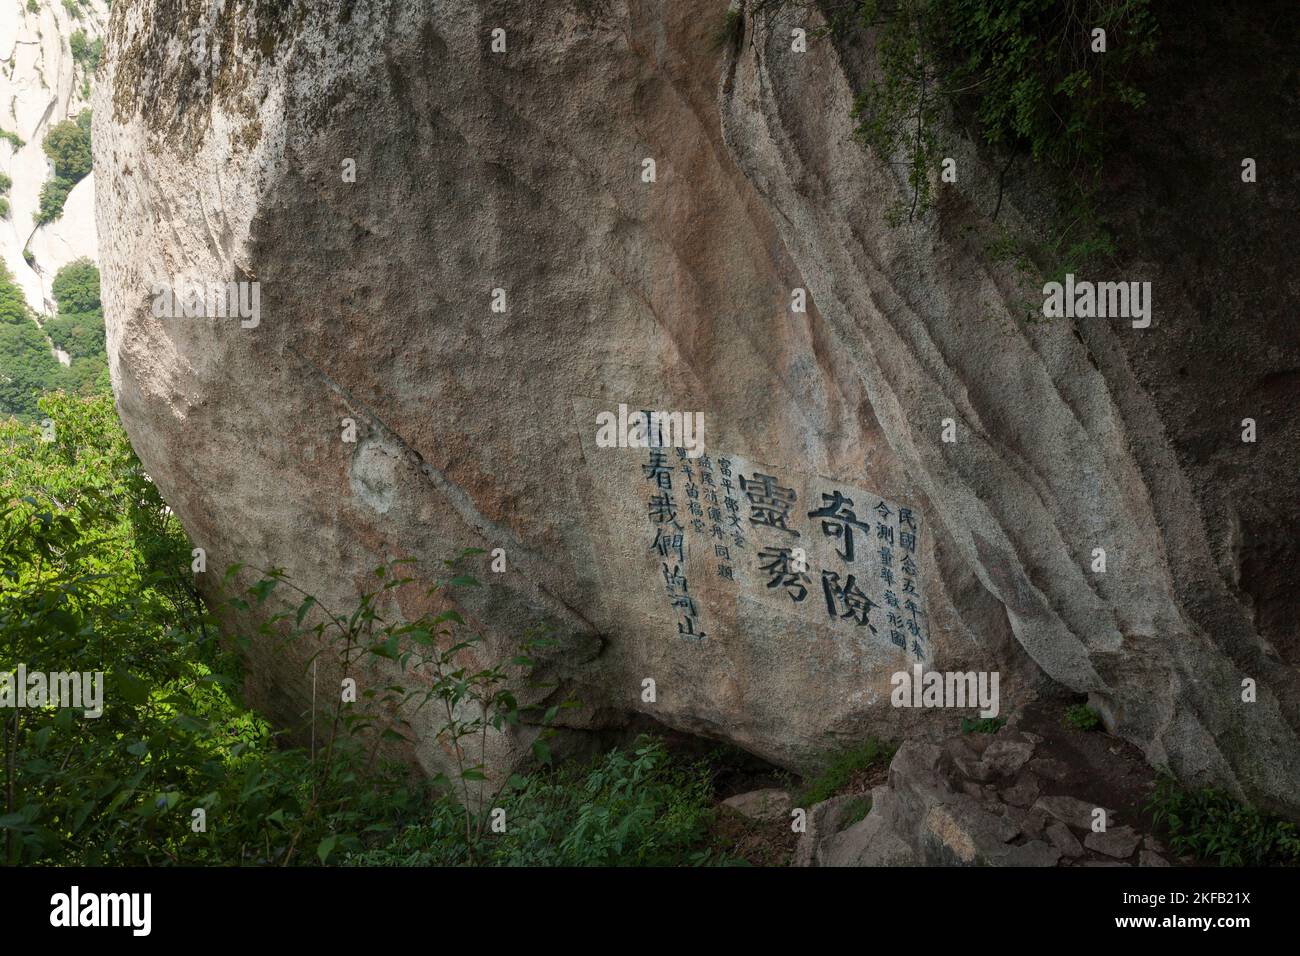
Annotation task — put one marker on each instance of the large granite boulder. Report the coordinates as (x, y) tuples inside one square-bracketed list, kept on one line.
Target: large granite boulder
[(464, 251)]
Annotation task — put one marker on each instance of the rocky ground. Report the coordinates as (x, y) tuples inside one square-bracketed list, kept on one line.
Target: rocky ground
[(1031, 794)]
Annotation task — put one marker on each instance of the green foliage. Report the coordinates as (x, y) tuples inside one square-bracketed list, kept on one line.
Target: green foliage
[(85, 52), (94, 575), (5, 183), (1082, 717), (470, 703), (14, 139), (54, 193), (76, 287), (27, 366), (842, 767), (1019, 76), (81, 336), (68, 146), (4, 208), (13, 307), (1213, 826), (33, 6), (73, 9), (985, 725), (628, 808)]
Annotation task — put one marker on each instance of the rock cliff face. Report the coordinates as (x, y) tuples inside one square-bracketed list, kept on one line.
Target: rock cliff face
[(41, 84), (505, 265)]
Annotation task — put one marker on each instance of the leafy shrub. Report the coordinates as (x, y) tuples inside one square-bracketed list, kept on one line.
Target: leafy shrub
[(1082, 717), (1020, 75), (67, 144), (13, 138), (85, 52), (78, 328), (76, 287), (5, 183), (471, 702), (13, 306), (54, 193), (80, 335), (4, 208), (842, 767), (27, 368), (985, 725), (1213, 826), (94, 575), (631, 808)]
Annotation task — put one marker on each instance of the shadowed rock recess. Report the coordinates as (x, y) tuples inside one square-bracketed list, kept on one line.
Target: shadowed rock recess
[(524, 171)]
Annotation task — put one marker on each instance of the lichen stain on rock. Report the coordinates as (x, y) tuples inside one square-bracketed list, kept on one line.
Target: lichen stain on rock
[(373, 473)]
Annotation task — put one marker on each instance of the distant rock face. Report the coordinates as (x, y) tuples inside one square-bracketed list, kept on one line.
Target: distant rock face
[(666, 286), (41, 85)]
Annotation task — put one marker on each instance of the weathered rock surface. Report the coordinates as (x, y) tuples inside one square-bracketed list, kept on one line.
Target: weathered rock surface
[(1119, 842), (923, 816), (1079, 814), (522, 171), (1063, 839), (931, 812), (1060, 450), (769, 806)]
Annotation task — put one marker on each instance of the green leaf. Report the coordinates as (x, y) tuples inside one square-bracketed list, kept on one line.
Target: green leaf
[(263, 588), (131, 688), (326, 847)]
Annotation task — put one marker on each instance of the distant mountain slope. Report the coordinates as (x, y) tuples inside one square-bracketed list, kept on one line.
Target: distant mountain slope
[(44, 81)]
